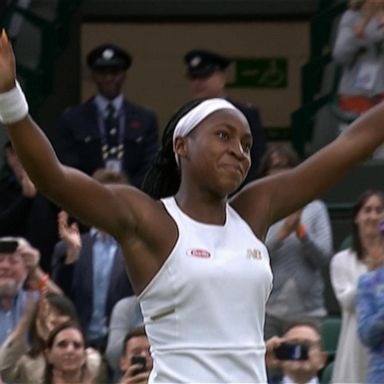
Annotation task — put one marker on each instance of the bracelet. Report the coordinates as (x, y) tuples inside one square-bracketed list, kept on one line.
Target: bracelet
[(13, 105), (43, 282), (300, 232)]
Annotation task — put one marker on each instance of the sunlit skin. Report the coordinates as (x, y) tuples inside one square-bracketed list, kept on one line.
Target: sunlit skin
[(208, 86), (67, 354), (109, 81)]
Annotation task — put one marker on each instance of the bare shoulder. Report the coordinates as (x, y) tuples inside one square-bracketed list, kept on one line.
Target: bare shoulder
[(140, 214), (147, 234)]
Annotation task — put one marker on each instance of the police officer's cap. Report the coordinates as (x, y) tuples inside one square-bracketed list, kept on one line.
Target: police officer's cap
[(108, 56), (201, 62)]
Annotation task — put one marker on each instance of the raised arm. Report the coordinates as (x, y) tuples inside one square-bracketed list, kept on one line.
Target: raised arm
[(140, 224), (79, 194), (279, 195)]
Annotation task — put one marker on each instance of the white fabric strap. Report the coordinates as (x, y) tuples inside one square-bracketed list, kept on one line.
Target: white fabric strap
[(13, 105), (196, 115)]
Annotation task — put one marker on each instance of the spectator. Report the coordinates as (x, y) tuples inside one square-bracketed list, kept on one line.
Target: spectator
[(370, 305), (108, 131), (359, 50), (126, 316), (24, 211), (67, 358), (18, 261), (206, 71), (91, 271), (345, 269), (21, 362), (306, 369), (300, 246), (135, 345)]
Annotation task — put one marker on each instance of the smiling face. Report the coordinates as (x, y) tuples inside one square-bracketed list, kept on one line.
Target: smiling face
[(216, 154), (12, 273), (67, 353), (370, 215)]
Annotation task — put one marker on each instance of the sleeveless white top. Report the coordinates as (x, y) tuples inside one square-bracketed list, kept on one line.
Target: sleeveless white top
[(204, 309)]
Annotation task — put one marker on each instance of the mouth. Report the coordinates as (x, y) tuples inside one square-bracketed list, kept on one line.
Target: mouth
[(235, 168)]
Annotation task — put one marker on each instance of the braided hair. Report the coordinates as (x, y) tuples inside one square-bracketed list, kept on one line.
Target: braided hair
[(163, 177)]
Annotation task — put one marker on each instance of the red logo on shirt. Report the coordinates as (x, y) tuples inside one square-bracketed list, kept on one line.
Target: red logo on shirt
[(199, 253)]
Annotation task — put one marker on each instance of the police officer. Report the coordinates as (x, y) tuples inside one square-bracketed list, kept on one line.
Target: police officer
[(108, 131), (206, 71)]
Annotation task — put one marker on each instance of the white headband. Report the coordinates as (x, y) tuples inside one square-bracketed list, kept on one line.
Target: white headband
[(196, 115)]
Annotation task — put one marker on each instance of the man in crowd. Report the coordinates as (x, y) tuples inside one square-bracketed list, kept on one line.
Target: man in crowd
[(307, 359), (136, 361), (19, 267), (108, 131)]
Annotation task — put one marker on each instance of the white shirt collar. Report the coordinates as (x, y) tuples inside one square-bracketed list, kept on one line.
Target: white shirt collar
[(102, 103), (288, 380)]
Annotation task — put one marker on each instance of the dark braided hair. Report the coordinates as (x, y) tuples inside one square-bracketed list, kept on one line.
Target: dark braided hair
[(163, 177)]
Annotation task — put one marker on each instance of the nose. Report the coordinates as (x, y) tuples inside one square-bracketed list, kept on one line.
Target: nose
[(238, 151), (5, 263)]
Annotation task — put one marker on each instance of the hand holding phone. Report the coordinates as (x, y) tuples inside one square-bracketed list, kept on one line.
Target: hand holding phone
[(141, 361), (292, 351)]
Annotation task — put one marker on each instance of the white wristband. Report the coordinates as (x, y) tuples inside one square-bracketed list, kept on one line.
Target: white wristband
[(13, 105)]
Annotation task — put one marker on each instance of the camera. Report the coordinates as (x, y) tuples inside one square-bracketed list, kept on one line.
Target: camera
[(8, 246), (292, 351), (139, 360)]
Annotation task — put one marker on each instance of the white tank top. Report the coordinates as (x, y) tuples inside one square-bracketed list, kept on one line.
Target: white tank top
[(204, 309)]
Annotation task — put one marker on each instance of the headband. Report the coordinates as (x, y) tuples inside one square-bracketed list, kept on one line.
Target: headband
[(196, 115)]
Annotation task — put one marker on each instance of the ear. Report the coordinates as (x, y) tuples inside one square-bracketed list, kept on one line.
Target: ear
[(181, 147), (323, 359)]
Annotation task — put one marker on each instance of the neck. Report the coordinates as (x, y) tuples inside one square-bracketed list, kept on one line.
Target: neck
[(301, 377), (60, 377), (206, 208)]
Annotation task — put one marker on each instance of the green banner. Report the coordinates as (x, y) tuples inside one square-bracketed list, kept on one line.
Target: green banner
[(259, 73)]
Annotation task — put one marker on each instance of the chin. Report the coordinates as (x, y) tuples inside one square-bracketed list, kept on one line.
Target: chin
[(8, 287)]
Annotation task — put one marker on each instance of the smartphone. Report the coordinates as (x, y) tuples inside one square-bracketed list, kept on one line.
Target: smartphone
[(292, 351), (140, 360), (8, 246)]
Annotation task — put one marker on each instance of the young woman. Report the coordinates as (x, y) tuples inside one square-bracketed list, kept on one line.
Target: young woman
[(21, 362), (66, 357), (345, 269), (195, 258)]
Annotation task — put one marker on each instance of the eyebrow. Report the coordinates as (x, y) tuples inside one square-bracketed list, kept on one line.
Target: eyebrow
[(232, 127)]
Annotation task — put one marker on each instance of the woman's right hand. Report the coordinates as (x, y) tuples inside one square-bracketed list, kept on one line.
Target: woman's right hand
[(70, 234), (7, 64)]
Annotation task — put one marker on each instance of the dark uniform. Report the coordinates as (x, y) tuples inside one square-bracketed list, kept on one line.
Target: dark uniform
[(92, 136), (202, 64)]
